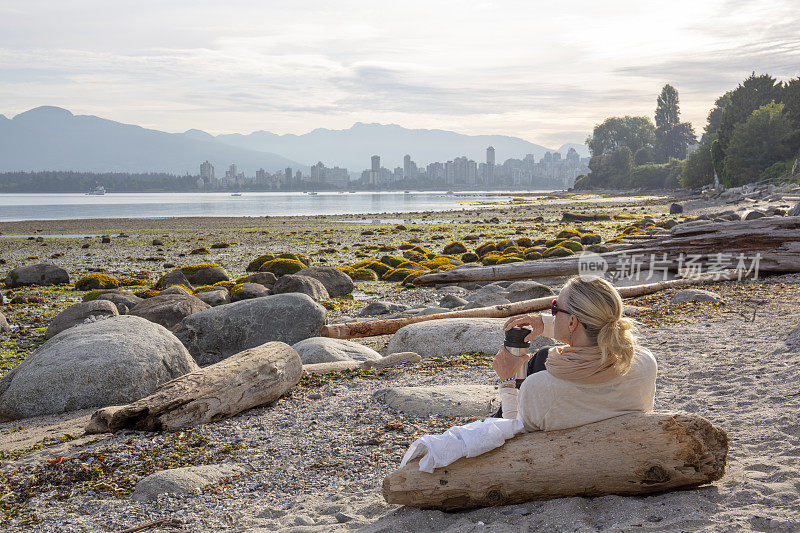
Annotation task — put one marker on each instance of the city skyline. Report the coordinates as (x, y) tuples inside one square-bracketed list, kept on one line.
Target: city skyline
[(545, 73)]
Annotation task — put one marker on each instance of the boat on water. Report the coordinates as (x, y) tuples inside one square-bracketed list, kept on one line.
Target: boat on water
[(97, 191), (312, 193), (406, 192), (236, 194)]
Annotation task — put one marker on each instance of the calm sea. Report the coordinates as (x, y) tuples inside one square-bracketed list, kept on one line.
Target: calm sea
[(14, 207)]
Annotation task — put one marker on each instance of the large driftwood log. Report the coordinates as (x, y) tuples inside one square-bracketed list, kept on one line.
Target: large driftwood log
[(369, 328), (776, 239), (247, 379), (628, 455)]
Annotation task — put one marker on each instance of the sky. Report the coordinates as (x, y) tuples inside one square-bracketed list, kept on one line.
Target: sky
[(546, 72)]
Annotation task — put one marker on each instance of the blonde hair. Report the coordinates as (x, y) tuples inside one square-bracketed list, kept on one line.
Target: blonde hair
[(598, 306)]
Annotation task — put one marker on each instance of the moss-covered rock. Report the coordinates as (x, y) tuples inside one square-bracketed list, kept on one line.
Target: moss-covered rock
[(379, 268), (204, 274), (392, 260), (281, 266), (598, 248), (491, 258), (363, 274), (485, 248), (220, 245), (417, 257), (200, 251), (572, 245), (146, 293), (410, 264), (558, 251), (455, 247), (256, 263), (591, 238), (509, 259), (398, 274), (96, 280), (567, 233), (470, 257), (524, 242), (206, 288), (224, 284), (408, 281), (532, 256)]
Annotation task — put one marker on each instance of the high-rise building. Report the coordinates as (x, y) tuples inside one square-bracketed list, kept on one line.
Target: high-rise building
[(207, 173), (409, 168), (288, 174), (376, 163), (490, 166)]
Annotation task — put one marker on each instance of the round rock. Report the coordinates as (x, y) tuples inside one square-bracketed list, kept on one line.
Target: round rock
[(453, 336), (248, 291), (336, 282), (302, 284), (78, 314), (39, 274), (4, 327), (205, 275), (182, 481), (219, 332), (169, 309), (215, 298), (695, 295), (326, 350), (121, 299), (114, 361), (443, 400)]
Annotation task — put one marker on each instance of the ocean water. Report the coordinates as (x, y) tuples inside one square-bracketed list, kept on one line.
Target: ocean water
[(16, 207)]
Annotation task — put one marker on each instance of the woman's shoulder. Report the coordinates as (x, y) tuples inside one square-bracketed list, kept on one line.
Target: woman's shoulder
[(643, 362)]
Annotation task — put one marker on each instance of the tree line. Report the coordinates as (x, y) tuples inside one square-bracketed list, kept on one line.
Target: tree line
[(752, 133), (70, 181)]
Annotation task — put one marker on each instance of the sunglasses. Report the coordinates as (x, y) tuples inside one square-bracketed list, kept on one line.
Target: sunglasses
[(554, 309)]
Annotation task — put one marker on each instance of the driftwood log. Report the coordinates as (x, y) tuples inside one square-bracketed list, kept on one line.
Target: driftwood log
[(776, 239), (631, 454), (384, 362), (247, 379), (369, 328)]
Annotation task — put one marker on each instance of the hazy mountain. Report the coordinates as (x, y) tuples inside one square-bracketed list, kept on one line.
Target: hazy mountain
[(51, 138), (352, 148), (582, 149)]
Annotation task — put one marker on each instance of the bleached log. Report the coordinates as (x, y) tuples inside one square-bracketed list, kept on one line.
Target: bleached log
[(247, 379), (384, 362), (776, 239), (632, 454), (369, 328)]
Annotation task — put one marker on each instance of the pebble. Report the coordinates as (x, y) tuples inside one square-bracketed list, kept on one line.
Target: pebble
[(343, 518)]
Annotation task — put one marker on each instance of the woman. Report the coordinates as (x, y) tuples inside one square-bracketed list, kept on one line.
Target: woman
[(601, 373)]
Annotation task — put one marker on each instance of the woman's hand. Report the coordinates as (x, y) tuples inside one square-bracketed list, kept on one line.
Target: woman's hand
[(534, 321), (506, 364)]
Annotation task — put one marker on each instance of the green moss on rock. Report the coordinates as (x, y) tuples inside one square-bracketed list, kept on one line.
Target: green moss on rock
[(455, 247), (398, 274), (96, 280), (256, 263), (470, 257), (558, 251), (200, 251), (363, 274), (282, 266)]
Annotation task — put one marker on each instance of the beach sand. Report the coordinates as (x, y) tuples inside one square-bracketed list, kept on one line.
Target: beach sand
[(316, 458)]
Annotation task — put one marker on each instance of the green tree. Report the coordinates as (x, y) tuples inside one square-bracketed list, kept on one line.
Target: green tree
[(633, 132), (757, 143), (751, 94), (698, 170), (672, 136)]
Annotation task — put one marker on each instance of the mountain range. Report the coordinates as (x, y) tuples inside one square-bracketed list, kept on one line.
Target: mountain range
[(52, 138)]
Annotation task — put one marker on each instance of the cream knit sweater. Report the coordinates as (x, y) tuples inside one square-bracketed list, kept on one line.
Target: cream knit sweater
[(547, 403)]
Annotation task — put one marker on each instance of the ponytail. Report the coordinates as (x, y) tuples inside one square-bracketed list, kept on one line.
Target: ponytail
[(598, 306)]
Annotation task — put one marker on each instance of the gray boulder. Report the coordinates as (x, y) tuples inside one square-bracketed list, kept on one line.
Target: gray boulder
[(182, 481), (248, 291), (527, 290), (488, 293), (169, 309), (443, 400), (336, 282), (452, 289), (4, 327), (266, 279), (380, 307), (39, 274), (175, 289), (78, 313), (695, 295), (302, 284), (450, 301), (433, 311), (326, 350), (123, 300), (219, 332), (675, 209), (205, 274), (453, 336), (753, 214), (215, 298), (174, 277), (114, 361), (487, 300)]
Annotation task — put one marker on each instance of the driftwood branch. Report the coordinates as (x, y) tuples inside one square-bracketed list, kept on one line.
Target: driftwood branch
[(369, 328), (247, 379), (632, 454), (775, 239)]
